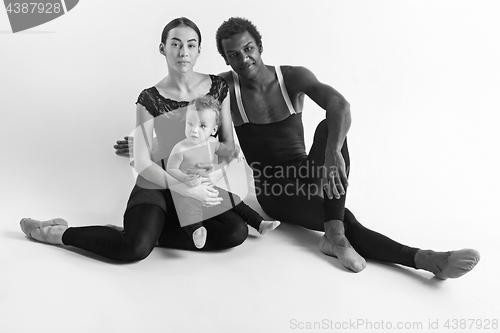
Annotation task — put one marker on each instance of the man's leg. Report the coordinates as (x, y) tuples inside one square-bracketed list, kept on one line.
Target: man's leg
[(307, 212), (334, 242)]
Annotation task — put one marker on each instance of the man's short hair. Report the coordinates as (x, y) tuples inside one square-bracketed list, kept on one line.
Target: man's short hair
[(234, 26)]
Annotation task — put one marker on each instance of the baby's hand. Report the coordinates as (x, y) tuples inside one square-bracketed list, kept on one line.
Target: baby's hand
[(192, 180)]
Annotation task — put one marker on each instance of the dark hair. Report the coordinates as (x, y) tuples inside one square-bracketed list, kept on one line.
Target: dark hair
[(208, 102), (180, 22), (234, 26)]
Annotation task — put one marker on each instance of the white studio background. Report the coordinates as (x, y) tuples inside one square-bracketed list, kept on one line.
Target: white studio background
[(422, 78)]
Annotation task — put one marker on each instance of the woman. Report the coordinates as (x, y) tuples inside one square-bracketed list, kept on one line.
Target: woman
[(150, 218)]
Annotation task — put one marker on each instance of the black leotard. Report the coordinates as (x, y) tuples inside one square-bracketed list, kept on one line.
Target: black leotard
[(288, 184), (284, 173), (278, 143)]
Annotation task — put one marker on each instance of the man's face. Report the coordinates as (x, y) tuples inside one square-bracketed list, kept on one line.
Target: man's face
[(242, 54)]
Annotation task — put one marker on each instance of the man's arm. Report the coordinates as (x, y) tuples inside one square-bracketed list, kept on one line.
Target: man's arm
[(226, 125), (223, 150), (338, 117)]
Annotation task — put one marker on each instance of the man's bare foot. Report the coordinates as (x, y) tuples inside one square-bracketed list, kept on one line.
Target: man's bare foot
[(266, 226), (335, 244), (444, 265)]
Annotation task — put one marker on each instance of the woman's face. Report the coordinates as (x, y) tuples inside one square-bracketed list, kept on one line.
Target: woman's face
[(181, 49)]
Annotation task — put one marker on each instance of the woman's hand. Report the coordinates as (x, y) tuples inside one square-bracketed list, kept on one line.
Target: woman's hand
[(125, 147), (204, 193)]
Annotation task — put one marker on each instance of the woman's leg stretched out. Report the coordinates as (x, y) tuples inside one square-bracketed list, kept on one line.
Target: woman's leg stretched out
[(142, 225)]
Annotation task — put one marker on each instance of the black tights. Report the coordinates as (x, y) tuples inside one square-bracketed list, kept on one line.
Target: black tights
[(368, 243), (146, 225), (298, 200)]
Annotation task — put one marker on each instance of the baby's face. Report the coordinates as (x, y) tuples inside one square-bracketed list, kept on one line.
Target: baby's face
[(200, 125)]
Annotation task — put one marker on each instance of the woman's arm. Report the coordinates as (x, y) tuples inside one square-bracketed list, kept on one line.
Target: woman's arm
[(143, 144), (222, 150)]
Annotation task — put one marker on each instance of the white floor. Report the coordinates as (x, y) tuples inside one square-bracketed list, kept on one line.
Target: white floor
[(279, 282)]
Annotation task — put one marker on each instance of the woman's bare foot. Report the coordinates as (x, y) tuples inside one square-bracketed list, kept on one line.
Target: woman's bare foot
[(266, 226), (200, 237), (335, 244), (444, 265), (50, 231)]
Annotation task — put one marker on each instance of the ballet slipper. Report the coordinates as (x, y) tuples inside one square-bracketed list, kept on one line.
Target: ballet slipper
[(266, 226), (41, 230), (347, 256), (200, 237), (447, 265)]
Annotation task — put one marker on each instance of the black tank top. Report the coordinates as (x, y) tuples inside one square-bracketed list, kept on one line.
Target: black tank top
[(279, 143)]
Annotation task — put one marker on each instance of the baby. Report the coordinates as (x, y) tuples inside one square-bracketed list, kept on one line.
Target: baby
[(200, 146)]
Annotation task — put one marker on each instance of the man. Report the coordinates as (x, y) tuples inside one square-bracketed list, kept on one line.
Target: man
[(307, 189)]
